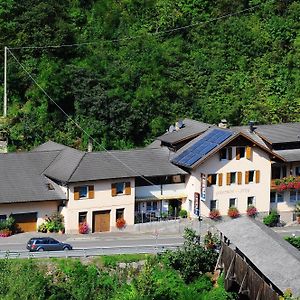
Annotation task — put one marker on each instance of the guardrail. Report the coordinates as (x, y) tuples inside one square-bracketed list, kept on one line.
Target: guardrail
[(87, 252)]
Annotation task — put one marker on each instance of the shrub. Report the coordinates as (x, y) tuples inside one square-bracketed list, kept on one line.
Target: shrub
[(211, 240), (42, 228), (183, 213), (55, 222), (272, 219), (233, 212), (215, 214), (251, 211), (7, 224), (295, 241), (83, 228), (5, 232), (120, 223)]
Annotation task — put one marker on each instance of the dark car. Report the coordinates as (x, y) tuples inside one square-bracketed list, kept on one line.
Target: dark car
[(46, 244)]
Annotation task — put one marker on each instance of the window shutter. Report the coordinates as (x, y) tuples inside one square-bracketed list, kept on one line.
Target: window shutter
[(91, 192), (127, 188), (228, 178), (220, 179), (238, 153), (209, 178), (76, 193), (247, 177), (248, 152), (239, 177), (257, 176), (229, 151), (113, 189)]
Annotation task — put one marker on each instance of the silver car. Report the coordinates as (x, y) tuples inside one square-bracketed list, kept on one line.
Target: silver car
[(47, 244)]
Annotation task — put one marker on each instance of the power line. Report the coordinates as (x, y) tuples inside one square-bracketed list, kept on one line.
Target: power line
[(140, 36), (76, 124)]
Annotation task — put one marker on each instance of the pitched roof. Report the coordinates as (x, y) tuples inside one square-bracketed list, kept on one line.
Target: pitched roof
[(121, 164), (274, 257), (289, 155), (191, 129), (22, 179), (278, 133)]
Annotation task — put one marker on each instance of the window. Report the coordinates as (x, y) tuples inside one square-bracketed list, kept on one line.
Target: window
[(82, 217), (294, 196), (120, 188), (232, 177), (251, 176), (232, 202), (2, 217), (213, 204), (120, 213), (151, 206), (276, 197), (240, 152), (84, 192), (278, 172), (211, 179), (297, 171), (225, 153), (250, 200)]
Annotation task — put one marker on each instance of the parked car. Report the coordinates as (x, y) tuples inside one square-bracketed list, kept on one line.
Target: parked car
[(47, 244)]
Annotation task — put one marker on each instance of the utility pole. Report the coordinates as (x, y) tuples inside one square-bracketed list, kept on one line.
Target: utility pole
[(5, 83)]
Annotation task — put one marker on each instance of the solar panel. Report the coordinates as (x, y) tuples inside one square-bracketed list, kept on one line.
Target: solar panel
[(202, 147)]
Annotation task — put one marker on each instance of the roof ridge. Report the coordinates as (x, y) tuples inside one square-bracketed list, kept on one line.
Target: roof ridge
[(84, 154)]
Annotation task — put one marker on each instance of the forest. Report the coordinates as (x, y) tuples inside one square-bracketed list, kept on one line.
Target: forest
[(124, 70)]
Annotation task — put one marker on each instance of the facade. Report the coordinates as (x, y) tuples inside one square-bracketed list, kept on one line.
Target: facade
[(194, 166)]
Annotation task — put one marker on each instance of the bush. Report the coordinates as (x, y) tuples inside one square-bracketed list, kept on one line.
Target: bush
[(55, 222), (215, 214), (42, 228), (83, 228), (272, 219), (233, 212), (120, 223), (7, 224), (183, 213), (295, 241), (5, 232), (251, 211)]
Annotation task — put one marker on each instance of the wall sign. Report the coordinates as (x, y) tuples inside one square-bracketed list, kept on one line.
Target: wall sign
[(196, 204), (203, 187)]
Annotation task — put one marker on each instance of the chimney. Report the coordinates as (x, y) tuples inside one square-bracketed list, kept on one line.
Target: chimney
[(90, 145), (251, 126), (223, 124)]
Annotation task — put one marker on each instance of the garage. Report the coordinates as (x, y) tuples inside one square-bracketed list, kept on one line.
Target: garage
[(101, 221), (25, 222)]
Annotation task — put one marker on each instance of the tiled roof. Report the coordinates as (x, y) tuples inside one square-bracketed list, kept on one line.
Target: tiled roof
[(121, 164), (22, 179), (191, 129), (289, 155), (274, 257)]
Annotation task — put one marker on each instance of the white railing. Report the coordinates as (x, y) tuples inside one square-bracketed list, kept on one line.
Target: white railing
[(160, 191)]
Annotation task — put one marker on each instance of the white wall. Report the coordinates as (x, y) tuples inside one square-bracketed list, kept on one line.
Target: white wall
[(103, 200), (261, 191)]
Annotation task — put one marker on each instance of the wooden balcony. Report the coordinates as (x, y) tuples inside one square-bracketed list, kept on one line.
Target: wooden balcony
[(274, 186)]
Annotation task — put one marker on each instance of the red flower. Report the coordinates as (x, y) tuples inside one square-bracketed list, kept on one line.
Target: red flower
[(251, 211), (291, 185), (83, 228), (233, 212), (120, 223), (215, 214), (282, 187), (297, 185)]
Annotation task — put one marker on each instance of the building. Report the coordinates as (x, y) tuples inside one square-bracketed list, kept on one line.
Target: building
[(194, 166)]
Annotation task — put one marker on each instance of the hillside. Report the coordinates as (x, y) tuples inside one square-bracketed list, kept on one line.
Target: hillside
[(136, 75)]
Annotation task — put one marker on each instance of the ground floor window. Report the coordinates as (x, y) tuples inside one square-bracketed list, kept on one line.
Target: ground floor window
[(213, 204), (120, 213), (250, 200), (294, 196), (82, 216), (232, 202), (276, 197), (151, 206), (2, 217)]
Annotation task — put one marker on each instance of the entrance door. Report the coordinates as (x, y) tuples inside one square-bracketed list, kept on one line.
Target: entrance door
[(25, 222), (101, 221)]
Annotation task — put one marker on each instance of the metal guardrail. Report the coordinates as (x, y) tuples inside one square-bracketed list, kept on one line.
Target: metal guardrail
[(88, 252)]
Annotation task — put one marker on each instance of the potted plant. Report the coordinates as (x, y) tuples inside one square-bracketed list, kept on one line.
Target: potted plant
[(251, 211), (215, 214), (83, 228), (120, 223), (183, 213), (272, 219), (233, 212)]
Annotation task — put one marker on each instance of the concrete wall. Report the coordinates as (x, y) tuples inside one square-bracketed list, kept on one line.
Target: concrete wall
[(103, 200), (43, 209), (261, 191)]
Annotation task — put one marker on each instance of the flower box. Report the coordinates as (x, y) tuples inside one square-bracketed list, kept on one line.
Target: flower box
[(120, 223), (233, 212), (215, 214)]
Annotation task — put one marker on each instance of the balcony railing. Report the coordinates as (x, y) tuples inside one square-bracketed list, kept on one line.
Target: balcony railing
[(164, 191)]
